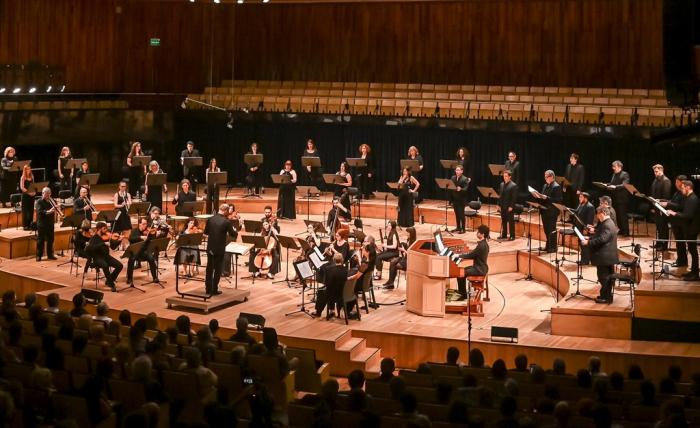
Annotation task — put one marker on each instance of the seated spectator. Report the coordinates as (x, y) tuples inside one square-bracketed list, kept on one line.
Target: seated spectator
[(667, 386), (476, 358), (635, 372), (443, 391), (648, 393), (214, 328), (600, 389), (29, 299), (507, 410), (52, 300), (357, 400), (84, 322), (452, 356), (356, 379), (409, 410), (9, 300), (205, 345), (14, 334), (562, 414), (97, 333), (151, 320), (184, 326), (511, 388), (66, 325), (41, 324), (397, 386), (206, 378), (558, 367), (142, 372), (584, 379), (95, 394), (458, 412), (602, 416), (537, 375), (34, 311), (328, 396), (125, 317), (386, 368), (241, 334), (521, 363), (617, 381), (498, 370), (78, 306), (78, 345), (675, 373), (238, 355), (274, 349), (102, 310), (220, 414), (594, 366), (114, 328)]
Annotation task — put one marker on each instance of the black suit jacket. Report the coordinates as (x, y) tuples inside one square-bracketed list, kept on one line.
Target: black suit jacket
[(660, 188), (79, 207), (515, 169), (603, 244), (335, 277), (619, 181), (463, 183), (480, 255), (183, 197), (554, 195), (217, 228), (576, 175), (690, 216), (586, 212), (508, 195), (43, 220), (185, 169)]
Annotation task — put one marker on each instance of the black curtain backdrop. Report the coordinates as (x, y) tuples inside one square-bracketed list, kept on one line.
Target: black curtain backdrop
[(281, 140)]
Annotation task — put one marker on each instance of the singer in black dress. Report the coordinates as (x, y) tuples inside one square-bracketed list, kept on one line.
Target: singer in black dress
[(9, 179), (212, 189), (343, 171), (25, 184), (413, 154), (365, 175), (154, 193), (285, 199), (136, 173), (408, 186), (575, 174), (121, 201), (312, 175), (65, 175)]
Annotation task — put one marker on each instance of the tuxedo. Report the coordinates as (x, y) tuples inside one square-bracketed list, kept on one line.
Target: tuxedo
[(620, 200), (677, 203), (690, 226), (550, 213), (44, 227), (586, 213), (604, 255), (507, 197), (217, 229), (661, 189), (576, 176)]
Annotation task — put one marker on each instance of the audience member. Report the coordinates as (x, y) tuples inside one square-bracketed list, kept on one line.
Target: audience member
[(559, 367), (520, 363), (635, 372), (356, 379), (78, 306), (386, 368), (476, 358), (241, 334), (206, 378), (52, 302), (452, 356), (125, 317), (409, 410), (584, 379), (498, 370), (594, 366)]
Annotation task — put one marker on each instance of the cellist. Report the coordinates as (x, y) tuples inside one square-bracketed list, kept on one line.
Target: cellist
[(266, 259)]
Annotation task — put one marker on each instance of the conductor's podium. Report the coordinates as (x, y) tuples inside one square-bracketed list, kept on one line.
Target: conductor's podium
[(428, 276)]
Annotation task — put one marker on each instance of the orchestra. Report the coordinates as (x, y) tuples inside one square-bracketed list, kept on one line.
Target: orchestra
[(678, 221)]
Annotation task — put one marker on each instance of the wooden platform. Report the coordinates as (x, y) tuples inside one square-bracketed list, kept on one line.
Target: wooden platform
[(16, 243), (207, 304), (391, 330)]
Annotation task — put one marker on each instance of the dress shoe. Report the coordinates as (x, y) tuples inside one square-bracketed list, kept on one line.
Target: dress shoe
[(462, 231), (270, 276), (455, 230), (512, 238), (689, 273), (502, 237), (38, 259), (679, 264), (217, 292), (602, 300), (693, 277), (52, 257)]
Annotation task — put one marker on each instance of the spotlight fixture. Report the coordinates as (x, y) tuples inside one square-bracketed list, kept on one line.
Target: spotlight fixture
[(63, 88), (266, 1), (239, 1), (48, 89), (191, 1), (32, 89), (2, 90), (217, 1), (16, 90), (183, 105), (229, 125)]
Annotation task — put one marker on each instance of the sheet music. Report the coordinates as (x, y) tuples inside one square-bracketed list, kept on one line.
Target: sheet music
[(318, 263), (579, 234), (305, 270), (535, 192), (238, 248)]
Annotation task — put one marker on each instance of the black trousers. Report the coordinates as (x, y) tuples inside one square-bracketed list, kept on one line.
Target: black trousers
[(585, 254), (106, 263), (621, 210), (394, 265), (330, 299), (27, 209), (148, 258), (661, 229), (681, 247), (212, 199), (384, 256), (606, 283), (549, 223), (44, 235), (693, 250), (458, 206), (213, 274), (462, 280), (507, 222)]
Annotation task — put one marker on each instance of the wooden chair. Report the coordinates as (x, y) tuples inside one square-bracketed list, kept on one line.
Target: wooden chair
[(417, 379), (280, 387), (366, 289), (300, 415), (229, 376), (437, 369), (183, 388), (349, 296), (377, 389), (309, 377), (131, 395)]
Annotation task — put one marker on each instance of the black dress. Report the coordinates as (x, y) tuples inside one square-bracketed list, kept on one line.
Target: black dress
[(338, 188), (212, 195), (312, 178), (252, 179), (8, 181), (135, 178), (27, 205), (285, 199), (66, 181), (418, 174), (155, 195), (123, 222), (406, 205), (365, 183)]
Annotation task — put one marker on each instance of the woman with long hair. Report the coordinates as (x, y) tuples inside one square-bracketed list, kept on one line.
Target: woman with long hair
[(8, 181), (365, 175), (154, 193), (135, 172), (212, 189), (408, 187), (286, 207), (65, 175), (25, 184)]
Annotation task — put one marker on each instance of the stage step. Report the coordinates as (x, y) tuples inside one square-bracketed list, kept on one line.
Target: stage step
[(360, 356)]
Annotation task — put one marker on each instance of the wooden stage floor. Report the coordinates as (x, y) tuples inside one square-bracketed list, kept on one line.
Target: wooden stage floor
[(391, 330)]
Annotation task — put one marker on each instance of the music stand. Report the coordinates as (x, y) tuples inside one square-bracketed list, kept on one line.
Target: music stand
[(143, 160), (193, 206), (217, 178), (73, 221), (412, 164), (333, 179), (139, 208), (356, 162), (562, 209), (496, 169), (36, 187), (237, 249), (252, 226), (562, 181), (307, 192), (386, 196), (304, 272), (601, 185), (488, 193), (313, 162), (192, 162), (449, 164), (89, 179), (132, 250), (74, 163), (318, 226), (280, 179), (287, 242), (446, 184), (258, 243), (253, 160), (108, 216), (18, 166), (634, 192)]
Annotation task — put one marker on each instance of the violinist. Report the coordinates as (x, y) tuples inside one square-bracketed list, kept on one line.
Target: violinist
[(343, 171), (122, 201), (271, 218), (142, 233), (82, 204), (25, 184), (400, 262), (182, 196), (154, 193), (267, 258), (158, 223), (46, 210), (99, 251), (389, 251), (189, 256), (285, 199), (217, 229), (82, 237)]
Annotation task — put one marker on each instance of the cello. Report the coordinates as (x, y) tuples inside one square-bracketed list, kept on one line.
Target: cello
[(263, 259)]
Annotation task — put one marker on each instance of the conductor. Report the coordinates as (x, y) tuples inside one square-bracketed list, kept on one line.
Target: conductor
[(217, 228), (603, 246)]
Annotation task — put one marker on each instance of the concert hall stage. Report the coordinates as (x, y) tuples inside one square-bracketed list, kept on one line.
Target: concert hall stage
[(573, 329)]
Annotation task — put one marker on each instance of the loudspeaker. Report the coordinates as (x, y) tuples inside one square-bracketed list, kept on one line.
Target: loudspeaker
[(681, 81), (254, 319), (92, 296), (504, 334)]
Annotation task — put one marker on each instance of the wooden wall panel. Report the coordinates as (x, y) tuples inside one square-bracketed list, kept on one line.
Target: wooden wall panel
[(104, 44)]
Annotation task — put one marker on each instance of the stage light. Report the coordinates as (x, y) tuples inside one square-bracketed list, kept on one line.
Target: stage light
[(32, 89), (16, 90), (191, 1), (266, 1), (239, 1), (217, 1), (229, 125), (63, 88), (48, 89), (183, 105), (2, 90)]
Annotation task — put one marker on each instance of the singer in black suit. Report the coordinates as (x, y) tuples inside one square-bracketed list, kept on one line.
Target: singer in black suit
[(690, 225), (506, 202), (45, 218), (217, 229), (603, 245), (620, 196), (586, 213), (513, 165), (459, 196), (190, 173), (661, 190), (676, 204), (575, 174), (552, 194), (480, 255)]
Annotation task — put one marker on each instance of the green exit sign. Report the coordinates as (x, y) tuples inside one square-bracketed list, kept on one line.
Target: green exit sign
[(155, 41)]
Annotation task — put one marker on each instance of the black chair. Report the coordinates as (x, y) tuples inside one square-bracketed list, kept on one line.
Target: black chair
[(473, 212), (349, 296), (367, 288), (630, 273), (63, 195), (16, 203), (90, 265)]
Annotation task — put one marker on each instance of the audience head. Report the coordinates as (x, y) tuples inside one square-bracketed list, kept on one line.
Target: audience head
[(270, 339), (521, 362), (183, 325), (356, 379), (52, 300), (238, 355), (9, 298), (617, 381), (78, 300), (476, 358), (141, 369), (562, 413), (452, 355), (510, 386), (29, 299), (213, 326), (499, 370), (193, 358), (594, 364), (537, 374), (125, 317), (559, 367), (102, 309), (648, 392), (397, 386), (387, 367), (151, 321), (635, 372), (583, 378), (409, 403), (330, 388), (242, 324)]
